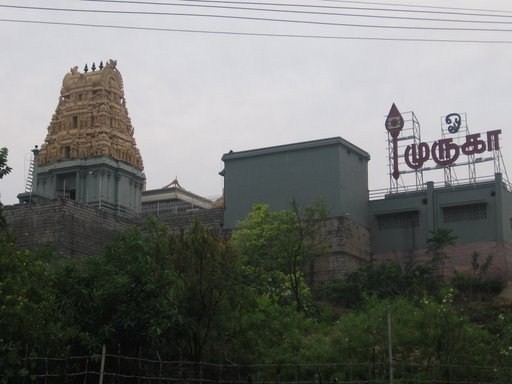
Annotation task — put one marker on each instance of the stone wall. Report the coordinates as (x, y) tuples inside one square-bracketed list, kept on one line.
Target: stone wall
[(348, 248), (210, 218), (72, 228), (78, 230)]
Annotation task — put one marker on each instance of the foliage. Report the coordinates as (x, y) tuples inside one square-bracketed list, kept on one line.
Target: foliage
[(478, 285), (4, 168), (436, 244), (190, 296), (281, 245), (208, 273), (124, 298), (152, 290), (426, 337), (268, 332), (381, 280), (27, 323)]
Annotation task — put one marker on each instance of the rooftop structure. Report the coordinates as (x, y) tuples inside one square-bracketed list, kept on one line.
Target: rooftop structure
[(172, 198), (332, 170), (89, 154)]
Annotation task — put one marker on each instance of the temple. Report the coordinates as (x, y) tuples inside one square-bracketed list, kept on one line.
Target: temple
[(89, 154), (87, 183)]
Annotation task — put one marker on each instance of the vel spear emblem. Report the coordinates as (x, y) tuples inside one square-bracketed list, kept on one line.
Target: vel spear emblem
[(394, 124)]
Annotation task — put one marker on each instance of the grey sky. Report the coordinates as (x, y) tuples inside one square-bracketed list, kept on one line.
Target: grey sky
[(193, 97)]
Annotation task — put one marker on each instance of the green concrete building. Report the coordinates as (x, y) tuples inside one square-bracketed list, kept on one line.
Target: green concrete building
[(393, 226), (332, 169), (478, 214)]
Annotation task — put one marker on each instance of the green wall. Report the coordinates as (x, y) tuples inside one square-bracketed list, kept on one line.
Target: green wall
[(329, 169), (477, 212)]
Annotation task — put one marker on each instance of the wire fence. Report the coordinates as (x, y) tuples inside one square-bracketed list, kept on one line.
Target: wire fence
[(112, 368)]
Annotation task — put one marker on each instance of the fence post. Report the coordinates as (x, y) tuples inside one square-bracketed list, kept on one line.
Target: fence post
[(390, 347), (102, 367)]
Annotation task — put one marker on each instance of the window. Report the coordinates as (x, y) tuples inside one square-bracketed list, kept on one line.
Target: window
[(465, 212), (75, 121), (398, 220)]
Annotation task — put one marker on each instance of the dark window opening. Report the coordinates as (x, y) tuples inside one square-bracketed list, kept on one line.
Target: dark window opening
[(465, 212), (67, 152), (66, 186), (398, 220), (75, 121)]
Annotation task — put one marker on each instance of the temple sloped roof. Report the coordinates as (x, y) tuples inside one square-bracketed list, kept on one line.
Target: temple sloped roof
[(91, 119)]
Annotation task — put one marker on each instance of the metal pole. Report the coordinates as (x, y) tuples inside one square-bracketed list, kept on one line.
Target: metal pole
[(390, 348), (102, 368)]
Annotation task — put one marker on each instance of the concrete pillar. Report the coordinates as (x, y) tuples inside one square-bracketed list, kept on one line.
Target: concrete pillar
[(431, 208)]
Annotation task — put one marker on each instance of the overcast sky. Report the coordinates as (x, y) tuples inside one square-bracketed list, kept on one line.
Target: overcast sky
[(194, 96)]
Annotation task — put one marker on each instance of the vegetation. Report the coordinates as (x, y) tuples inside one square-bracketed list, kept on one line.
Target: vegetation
[(4, 168), (278, 247), (195, 297)]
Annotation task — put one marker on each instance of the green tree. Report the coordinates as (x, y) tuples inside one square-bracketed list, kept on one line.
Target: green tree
[(125, 298), (153, 290), (279, 247), (211, 292), (4, 168), (436, 245), (385, 280), (431, 341), (28, 326)]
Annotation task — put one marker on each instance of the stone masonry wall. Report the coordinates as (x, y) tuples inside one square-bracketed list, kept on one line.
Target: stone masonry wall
[(77, 230), (73, 229), (348, 248), (210, 218)]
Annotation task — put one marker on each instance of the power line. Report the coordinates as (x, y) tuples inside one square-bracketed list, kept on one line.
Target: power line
[(294, 11), (265, 19), (257, 34), (141, 2), (418, 6)]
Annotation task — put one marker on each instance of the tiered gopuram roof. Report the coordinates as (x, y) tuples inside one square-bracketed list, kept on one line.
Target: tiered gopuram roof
[(91, 119)]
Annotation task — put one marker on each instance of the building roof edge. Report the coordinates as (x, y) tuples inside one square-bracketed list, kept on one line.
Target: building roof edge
[(294, 147)]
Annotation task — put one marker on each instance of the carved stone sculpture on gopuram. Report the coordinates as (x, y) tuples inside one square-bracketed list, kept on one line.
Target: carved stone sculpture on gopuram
[(91, 119)]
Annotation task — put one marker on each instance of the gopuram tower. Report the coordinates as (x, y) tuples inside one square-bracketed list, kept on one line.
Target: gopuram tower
[(89, 154)]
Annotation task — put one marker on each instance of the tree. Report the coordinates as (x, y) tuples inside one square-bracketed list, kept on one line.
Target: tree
[(430, 341), (153, 290), (4, 168), (436, 244), (280, 246), (211, 292), (125, 298), (384, 280), (28, 326)]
